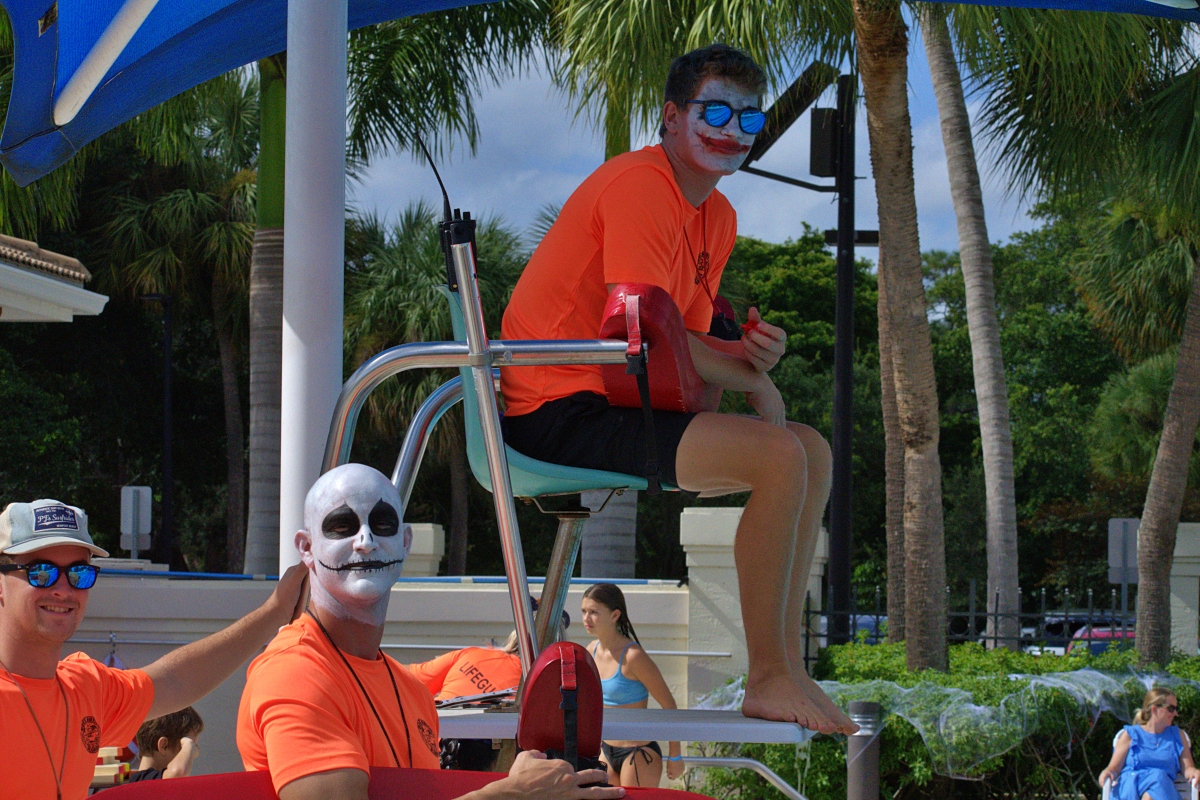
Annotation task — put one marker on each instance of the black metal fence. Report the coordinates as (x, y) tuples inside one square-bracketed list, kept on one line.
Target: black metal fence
[(1057, 629)]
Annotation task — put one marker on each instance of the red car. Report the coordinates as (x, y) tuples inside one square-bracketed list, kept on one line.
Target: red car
[(1100, 639)]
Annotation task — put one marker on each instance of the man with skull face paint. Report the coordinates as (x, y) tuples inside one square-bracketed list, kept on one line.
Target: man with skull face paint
[(323, 704), (654, 216)]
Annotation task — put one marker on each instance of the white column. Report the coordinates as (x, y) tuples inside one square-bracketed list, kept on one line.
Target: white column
[(714, 606), (313, 251), (428, 547), (610, 536), (1185, 589)]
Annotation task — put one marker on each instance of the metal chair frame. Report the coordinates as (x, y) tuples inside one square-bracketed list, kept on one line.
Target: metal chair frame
[(478, 355)]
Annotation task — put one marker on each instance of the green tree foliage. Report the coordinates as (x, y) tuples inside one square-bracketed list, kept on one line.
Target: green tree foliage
[(1128, 420)]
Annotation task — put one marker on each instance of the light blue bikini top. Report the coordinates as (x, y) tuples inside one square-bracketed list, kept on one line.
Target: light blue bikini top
[(619, 690)]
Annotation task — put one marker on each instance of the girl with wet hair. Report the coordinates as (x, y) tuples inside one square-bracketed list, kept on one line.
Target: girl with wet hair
[(633, 678), (1148, 754)]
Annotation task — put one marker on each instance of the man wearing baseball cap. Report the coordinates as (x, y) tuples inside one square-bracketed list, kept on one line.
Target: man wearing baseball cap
[(57, 713)]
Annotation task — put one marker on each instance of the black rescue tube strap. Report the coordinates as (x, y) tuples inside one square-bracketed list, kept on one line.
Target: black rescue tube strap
[(637, 364)]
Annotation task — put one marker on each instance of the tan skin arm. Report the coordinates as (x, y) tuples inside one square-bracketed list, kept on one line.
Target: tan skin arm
[(642, 667), (185, 675), (1120, 752), (532, 777), (181, 764), (1185, 760)]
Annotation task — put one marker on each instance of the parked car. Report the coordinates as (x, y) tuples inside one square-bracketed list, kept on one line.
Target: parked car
[(1100, 639)]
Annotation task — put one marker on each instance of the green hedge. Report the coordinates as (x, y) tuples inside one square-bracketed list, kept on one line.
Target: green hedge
[(996, 724)]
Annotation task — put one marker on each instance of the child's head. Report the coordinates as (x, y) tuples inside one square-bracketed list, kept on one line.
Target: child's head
[(604, 609), (159, 738)]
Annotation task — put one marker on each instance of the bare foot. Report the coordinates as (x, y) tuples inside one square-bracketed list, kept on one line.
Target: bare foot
[(780, 697), (823, 702)]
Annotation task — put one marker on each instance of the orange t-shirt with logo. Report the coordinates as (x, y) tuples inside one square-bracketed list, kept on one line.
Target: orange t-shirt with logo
[(627, 223), (302, 712), (474, 670), (105, 707)]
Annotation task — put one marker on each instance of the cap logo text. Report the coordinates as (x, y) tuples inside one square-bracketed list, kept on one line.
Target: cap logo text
[(55, 518)]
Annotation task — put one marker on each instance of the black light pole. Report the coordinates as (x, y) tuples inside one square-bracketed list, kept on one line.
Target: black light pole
[(843, 369), (166, 534)]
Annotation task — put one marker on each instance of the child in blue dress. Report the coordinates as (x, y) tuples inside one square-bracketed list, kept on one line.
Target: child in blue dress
[(1149, 753)]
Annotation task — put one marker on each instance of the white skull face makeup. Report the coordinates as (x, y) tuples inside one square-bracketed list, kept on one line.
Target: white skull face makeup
[(715, 150), (354, 543)]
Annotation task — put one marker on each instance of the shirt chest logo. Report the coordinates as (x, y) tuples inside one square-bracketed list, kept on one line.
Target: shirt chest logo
[(427, 736), (89, 732)]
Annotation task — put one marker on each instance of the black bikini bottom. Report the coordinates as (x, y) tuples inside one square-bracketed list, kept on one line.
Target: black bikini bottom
[(617, 756)]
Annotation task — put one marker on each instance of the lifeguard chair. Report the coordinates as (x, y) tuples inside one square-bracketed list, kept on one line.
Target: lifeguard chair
[(508, 475)]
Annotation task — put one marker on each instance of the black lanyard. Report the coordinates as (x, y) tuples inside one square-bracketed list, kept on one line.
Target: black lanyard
[(367, 697)]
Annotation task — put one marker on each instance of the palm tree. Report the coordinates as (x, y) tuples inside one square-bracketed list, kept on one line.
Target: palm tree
[(183, 227), (392, 297), (405, 77), (983, 323), (1127, 132), (266, 322), (893, 457)]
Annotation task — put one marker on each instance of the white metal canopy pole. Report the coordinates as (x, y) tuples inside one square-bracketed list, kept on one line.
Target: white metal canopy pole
[(313, 245)]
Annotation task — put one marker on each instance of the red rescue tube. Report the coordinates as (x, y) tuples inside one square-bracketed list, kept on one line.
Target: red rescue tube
[(674, 383), (387, 783)]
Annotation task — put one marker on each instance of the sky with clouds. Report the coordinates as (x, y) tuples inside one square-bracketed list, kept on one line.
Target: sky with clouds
[(533, 152)]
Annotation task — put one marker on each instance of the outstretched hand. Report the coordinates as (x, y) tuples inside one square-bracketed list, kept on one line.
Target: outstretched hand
[(763, 343)]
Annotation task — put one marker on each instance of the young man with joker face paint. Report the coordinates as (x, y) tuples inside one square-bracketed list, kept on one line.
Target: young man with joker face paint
[(655, 216), (323, 704)]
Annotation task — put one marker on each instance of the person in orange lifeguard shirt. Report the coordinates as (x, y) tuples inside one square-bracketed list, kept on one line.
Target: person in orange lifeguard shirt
[(56, 713), (323, 704), (655, 216), (470, 671)]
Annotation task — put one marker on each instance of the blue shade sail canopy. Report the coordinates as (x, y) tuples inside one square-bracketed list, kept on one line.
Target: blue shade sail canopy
[(83, 67), (1185, 10)]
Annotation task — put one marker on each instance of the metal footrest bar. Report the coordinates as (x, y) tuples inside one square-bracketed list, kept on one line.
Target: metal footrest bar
[(768, 774)]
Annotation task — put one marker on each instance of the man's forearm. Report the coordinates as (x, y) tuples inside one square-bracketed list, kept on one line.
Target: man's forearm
[(183, 676), (722, 368)]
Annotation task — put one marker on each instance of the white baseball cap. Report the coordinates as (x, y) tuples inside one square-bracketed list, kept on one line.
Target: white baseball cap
[(28, 527)]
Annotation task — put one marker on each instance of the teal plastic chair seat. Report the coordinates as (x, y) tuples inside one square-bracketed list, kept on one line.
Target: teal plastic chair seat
[(529, 477)]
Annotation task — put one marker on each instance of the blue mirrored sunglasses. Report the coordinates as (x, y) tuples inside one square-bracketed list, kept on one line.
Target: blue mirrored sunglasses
[(43, 574), (718, 113)]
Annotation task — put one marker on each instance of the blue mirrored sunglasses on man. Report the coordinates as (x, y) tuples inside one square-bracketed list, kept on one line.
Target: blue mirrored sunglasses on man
[(43, 574), (717, 113)]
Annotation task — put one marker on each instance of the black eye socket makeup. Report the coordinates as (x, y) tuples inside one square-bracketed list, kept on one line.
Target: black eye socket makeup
[(341, 523), (384, 520)]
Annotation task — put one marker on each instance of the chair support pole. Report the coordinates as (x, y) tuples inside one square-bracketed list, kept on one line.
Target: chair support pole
[(416, 438), (558, 576), (479, 357)]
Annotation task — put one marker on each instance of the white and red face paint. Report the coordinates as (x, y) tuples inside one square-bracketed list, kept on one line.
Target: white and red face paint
[(354, 542), (716, 150)]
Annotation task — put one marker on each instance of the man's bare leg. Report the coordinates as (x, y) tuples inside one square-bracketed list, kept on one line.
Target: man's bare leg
[(820, 473), (719, 452)]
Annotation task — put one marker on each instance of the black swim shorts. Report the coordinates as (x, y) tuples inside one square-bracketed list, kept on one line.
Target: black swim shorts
[(583, 430)]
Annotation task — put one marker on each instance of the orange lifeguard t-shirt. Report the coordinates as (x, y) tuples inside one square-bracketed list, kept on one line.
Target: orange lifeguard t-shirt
[(105, 707), (627, 223), (302, 711), (474, 670)]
